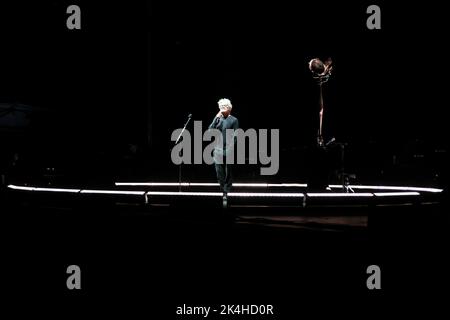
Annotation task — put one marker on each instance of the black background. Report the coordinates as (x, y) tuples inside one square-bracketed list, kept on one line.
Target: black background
[(134, 72)]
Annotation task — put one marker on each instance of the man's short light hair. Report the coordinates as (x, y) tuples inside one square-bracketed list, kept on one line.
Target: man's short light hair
[(225, 102)]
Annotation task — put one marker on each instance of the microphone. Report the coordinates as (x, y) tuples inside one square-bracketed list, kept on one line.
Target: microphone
[(330, 142), (190, 115)]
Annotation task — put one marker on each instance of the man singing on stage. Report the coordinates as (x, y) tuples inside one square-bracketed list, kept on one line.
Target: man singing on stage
[(223, 121)]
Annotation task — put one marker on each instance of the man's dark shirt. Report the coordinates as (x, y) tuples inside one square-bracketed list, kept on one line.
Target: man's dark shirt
[(223, 124)]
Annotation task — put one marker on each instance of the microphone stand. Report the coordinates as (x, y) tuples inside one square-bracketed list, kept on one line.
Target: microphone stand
[(176, 142)]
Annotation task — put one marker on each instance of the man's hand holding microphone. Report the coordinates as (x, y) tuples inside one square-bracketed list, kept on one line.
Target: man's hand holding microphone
[(219, 114)]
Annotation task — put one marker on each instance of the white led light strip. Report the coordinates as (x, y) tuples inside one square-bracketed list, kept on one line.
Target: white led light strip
[(266, 194), (268, 185), (207, 184), (396, 194), (339, 195), (173, 193), (403, 191), (11, 186), (231, 194), (119, 192), (418, 189), (156, 184), (67, 190)]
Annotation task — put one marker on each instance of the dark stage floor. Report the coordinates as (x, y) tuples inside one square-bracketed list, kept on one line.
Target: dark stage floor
[(135, 261)]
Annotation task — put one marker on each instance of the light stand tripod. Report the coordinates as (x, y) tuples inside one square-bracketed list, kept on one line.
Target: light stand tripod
[(321, 73), (176, 142), (345, 177)]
